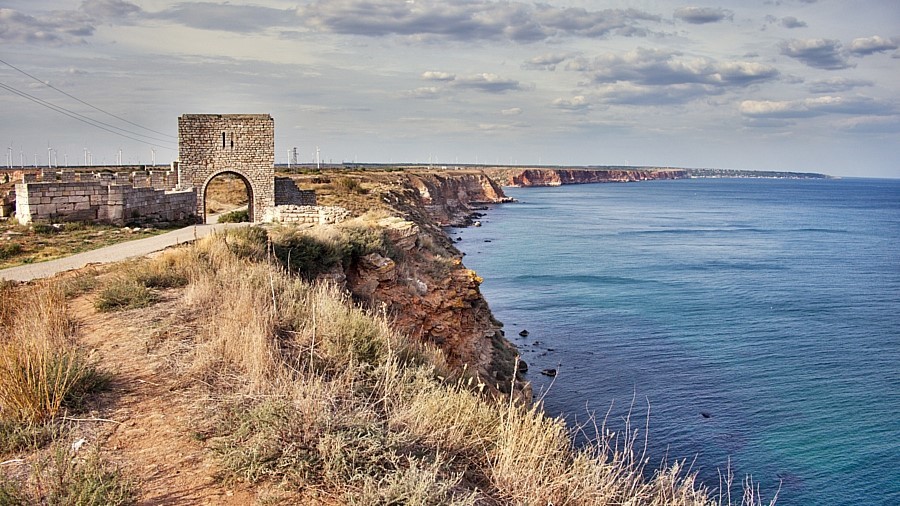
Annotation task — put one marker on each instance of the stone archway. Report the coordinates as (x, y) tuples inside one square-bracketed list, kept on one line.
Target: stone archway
[(201, 192), (244, 144)]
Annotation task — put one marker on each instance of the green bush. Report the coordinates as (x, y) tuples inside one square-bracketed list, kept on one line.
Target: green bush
[(239, 216), (306, 255)]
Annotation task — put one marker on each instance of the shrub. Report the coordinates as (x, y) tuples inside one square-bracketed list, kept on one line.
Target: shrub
[(346, 186), (239, 216), (306, 254), (9, 249), (124, 293)]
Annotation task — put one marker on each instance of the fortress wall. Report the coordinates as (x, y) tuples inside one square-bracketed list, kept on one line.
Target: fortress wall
[(97, 201)]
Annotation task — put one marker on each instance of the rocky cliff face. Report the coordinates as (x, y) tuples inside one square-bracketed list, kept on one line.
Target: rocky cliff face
[(450, 198), (427, 291), (556, 177)]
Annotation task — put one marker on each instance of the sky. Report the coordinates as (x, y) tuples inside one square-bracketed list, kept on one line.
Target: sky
[(800, 85)]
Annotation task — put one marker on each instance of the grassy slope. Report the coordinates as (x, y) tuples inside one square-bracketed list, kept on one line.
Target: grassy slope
[(301, 396)]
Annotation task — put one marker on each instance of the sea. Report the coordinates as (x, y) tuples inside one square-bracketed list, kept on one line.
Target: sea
[(743, 326)]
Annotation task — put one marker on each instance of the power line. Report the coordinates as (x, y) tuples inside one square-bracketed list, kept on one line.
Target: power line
[(81, 118), (85, 103)]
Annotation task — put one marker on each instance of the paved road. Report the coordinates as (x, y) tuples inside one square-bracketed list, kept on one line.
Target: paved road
[(113, 253)]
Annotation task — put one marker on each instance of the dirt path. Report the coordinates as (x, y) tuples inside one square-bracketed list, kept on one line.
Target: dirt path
[(151, 440), (113, 253)]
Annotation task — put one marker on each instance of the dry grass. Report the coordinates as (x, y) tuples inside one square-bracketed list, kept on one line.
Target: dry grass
[(41, 368), (309, 391)]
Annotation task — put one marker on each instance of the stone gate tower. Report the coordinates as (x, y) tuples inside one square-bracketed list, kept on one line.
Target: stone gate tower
[(241, 144)]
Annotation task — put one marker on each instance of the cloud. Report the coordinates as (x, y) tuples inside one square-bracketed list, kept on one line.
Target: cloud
[(625, 93), (470, 20), (438, 76), (871, 45), (427, 92), (792, 22), (871, 124), (547, 61), (818, 106), (655, 67), (837, 85), (818, 53), (577, 103), (702, 15), (487, 82), (227, 17), (55, 28), (513, 111), (110, 9)]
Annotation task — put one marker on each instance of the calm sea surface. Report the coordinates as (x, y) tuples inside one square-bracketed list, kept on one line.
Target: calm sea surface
[(772, 306)]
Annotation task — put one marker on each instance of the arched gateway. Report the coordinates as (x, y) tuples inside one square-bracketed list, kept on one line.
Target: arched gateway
[(241, 144)]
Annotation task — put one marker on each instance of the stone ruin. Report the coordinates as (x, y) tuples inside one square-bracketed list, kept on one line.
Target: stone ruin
[(209, 145)]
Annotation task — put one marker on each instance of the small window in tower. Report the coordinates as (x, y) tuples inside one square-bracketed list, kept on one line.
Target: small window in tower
[(232, 140), (223, 140)]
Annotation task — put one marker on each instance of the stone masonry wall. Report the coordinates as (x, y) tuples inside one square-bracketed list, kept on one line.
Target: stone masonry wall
[(287, 192), (98, 201), (305, 215), (243, 144)]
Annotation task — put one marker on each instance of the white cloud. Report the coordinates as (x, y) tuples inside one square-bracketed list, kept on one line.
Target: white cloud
[(814, 107), (513, 111), (576, 103), (661, 67), (438, 76), (870, 45)]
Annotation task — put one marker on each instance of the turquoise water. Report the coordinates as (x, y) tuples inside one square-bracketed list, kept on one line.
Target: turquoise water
[(772, 306)]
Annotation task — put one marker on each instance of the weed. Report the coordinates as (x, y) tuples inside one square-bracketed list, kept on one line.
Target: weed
[(17, 436), (124, 293), (9, 250), (68, 479), (44, 229)]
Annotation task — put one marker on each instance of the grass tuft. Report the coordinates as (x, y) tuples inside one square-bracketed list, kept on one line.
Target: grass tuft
[(124, 293), (41, 369)]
